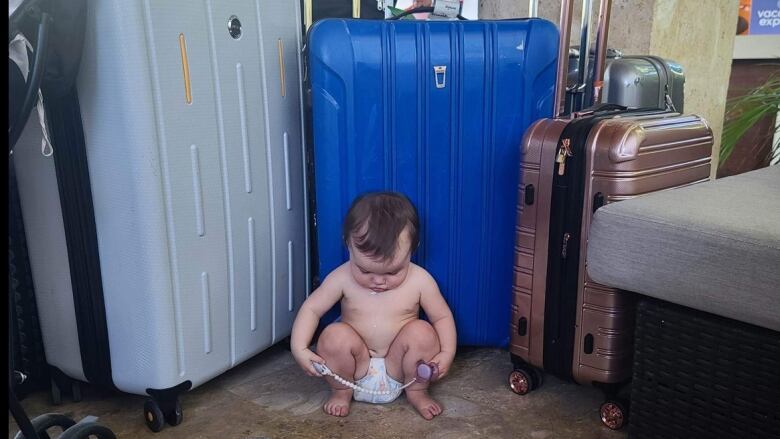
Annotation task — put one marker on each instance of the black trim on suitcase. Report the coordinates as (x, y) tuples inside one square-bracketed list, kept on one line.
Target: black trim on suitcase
[(564, 247), (563, 262), (63, 116)]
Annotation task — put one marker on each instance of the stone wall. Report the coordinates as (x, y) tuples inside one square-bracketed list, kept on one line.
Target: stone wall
[(700, 36)]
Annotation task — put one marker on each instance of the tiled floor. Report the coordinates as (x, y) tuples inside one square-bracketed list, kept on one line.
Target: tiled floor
[(269, 397)]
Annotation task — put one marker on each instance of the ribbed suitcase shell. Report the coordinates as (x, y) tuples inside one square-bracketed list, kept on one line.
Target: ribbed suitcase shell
[(627, 155), (381, 122), (199, 207)]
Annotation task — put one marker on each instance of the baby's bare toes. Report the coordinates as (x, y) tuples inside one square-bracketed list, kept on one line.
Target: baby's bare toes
[(338, 404), (425, 405)]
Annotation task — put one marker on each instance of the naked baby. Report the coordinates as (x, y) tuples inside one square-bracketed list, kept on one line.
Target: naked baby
[(380, 339)]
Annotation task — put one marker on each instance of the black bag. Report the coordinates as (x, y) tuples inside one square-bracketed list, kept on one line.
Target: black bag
[(344, 9)]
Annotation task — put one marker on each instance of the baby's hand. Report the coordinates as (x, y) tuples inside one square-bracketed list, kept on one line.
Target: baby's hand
[(443, 360), (304, 358)]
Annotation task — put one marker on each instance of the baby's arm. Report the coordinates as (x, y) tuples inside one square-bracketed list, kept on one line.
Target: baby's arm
[(443, 322), (318, 303)]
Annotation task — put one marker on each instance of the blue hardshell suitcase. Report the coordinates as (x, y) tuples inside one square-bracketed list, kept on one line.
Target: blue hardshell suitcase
[(435, 110)]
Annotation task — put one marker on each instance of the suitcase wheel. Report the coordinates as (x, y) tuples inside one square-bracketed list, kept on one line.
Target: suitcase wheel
[(175, 415), (538, 377), (164, 406), (56, 393), (75, 391), (520, 381), (153, 416), (614, 414), (61, 385)]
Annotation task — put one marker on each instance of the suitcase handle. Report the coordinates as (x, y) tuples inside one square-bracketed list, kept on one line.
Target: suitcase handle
[(561, 79), (561, 83), (601, 108), (605, 7), (421, 9), (582, 60)]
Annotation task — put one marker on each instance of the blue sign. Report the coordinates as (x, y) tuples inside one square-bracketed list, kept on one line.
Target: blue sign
[(765, 17)]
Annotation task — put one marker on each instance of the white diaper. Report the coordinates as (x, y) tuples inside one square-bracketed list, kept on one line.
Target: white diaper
[(377, 379)]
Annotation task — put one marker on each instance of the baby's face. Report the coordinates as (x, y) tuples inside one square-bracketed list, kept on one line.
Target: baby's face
[(381, 276)]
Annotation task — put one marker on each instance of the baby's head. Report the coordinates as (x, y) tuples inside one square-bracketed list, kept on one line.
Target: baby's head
[(381, 232)]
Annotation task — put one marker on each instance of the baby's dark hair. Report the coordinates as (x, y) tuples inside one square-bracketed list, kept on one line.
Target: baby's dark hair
[(375, 221)]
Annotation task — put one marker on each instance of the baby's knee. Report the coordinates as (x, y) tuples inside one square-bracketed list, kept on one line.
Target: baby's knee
[(335, 338), (422, 334)]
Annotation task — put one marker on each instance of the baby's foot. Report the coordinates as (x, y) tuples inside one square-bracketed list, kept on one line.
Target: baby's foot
[(338, 404), (425, 405)]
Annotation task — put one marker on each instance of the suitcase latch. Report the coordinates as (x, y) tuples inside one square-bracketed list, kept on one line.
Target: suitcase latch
[(440, 76)]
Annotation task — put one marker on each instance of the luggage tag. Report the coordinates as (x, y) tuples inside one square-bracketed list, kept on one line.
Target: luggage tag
[(445, 10)]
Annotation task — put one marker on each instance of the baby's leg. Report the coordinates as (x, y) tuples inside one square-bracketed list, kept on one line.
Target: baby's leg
[(346, 354), (416, 341)]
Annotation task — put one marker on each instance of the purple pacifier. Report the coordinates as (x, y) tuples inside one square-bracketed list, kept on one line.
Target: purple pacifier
[(426, 372)]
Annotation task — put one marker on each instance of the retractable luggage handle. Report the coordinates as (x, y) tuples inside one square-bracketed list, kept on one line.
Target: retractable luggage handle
[(578, 90), (605, 7), (561, 82)]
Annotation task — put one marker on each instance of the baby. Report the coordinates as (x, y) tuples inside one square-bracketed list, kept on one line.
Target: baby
[(380, 338)]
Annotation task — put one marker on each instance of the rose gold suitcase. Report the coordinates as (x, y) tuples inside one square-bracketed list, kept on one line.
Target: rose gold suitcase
[(562, 322)]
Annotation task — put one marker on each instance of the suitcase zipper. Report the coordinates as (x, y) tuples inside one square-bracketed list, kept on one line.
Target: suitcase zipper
[(564, 231)]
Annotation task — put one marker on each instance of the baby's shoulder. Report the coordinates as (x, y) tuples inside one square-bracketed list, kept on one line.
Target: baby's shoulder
[(339, 276), (420, 275)]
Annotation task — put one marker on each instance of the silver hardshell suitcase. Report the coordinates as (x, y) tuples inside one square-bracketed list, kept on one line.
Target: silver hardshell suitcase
[(192, 160), (644, 82), (636, 81)]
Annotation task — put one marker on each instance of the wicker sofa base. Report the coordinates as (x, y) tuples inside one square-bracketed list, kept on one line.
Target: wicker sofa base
[(697, 375)]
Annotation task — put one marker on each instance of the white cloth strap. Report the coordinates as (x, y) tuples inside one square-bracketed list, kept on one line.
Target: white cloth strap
[(17, 52)]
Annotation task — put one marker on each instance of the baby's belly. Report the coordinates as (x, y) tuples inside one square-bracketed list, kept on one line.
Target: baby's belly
[(378, 335)]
